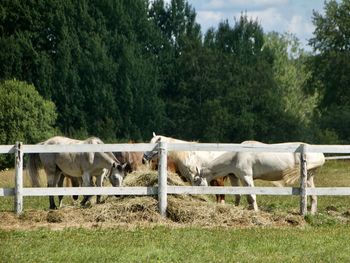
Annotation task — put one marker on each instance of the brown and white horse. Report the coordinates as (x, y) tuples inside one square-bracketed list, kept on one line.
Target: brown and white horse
[(185, 162), (133, 160)]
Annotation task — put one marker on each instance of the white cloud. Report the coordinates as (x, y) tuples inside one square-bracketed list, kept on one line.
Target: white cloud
[(302, 28), (209, 18), (218, 4), (270, 19), (299, 26), (274, 15)]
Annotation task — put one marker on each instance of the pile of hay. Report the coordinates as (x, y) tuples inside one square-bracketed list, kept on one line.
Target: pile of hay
[(150, 178), (182, 210)]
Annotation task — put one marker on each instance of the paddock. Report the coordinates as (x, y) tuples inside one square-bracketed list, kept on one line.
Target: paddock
[(163, 190)]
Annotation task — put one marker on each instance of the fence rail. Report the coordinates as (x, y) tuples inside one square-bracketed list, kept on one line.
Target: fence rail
[(142, 147), (163, 189), (339, 157)]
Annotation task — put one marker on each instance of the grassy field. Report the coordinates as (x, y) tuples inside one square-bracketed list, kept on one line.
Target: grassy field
[(162, 244), (324, 238)]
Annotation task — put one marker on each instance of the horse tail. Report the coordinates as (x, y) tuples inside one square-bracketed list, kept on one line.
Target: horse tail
[(33, 168), (289, 177)]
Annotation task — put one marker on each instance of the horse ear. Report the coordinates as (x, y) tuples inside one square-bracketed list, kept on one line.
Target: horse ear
[(154, 134), (120, 167), (198, 170)]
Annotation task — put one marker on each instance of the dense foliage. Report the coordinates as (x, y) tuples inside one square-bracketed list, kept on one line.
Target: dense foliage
[(24, 116), (92, 59), (122, 69), (331, 69)]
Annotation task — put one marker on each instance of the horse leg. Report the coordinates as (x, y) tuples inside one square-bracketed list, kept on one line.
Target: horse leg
[(221, 182), (247, 180), (219, 199), (52, 180), (75, 183), (60, 184), (99, 183), (235, 182), (311, 184), (86, 182)]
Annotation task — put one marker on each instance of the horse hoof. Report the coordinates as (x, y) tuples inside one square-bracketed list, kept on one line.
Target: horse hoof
[(253, 208)]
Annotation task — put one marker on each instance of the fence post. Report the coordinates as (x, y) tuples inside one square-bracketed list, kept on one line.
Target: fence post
[(162, 178), (19, 178), (303, 178)]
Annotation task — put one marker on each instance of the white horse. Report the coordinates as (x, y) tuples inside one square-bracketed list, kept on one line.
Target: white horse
[(269, 166), (81, 165), (185, 161)]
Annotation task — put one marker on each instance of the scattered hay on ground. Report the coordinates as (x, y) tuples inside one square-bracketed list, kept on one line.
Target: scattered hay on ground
[(129, 211)]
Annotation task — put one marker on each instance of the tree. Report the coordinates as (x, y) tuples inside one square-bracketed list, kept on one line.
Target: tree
[(121, 69), (95, 61), (180, 36), (330, 70), (250, 107), (24, 115), (291, 76)]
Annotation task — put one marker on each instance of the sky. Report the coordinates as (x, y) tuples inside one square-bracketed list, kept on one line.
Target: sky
[(293, 16)]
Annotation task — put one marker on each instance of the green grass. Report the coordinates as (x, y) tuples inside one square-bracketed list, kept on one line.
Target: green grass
[(163, 244)]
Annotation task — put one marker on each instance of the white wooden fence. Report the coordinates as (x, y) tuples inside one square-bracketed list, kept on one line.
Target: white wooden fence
[(163, 189)]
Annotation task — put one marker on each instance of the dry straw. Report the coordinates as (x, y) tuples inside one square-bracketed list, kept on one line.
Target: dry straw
[(130, 211)]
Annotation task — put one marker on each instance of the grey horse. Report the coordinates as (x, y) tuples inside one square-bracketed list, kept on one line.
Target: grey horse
[(77, 165)]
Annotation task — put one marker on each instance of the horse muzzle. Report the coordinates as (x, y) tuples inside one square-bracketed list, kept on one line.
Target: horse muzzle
[(116, 180), (199, 181), (147, 156)]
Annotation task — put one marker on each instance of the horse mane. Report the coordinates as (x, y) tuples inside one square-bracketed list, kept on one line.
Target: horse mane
[(176, 155), (93, 140), (171, 139)]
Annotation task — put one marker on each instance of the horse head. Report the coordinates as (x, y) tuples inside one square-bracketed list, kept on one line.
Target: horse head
[(199, 179), (117, 174), (147, 156)]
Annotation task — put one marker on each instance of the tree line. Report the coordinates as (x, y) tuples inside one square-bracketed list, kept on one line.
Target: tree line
[(121, 69)]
